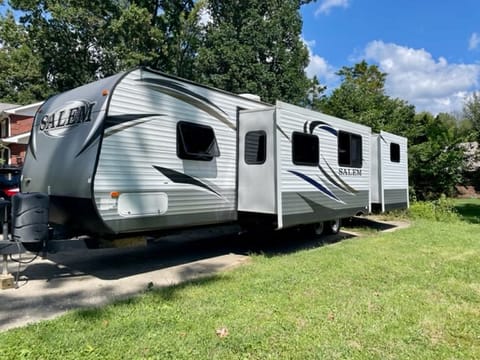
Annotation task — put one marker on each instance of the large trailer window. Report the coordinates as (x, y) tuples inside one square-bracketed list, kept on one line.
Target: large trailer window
[(394, 152), (305, 149), (349, 149), (196, 142), (255, 147)]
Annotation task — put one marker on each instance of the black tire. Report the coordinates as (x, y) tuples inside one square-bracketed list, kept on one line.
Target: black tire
[(332, 227), (318, 229)]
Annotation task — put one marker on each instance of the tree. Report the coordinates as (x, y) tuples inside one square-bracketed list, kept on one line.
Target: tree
[(21, 80), (254, 46), (436, 159), (361, 98), (78, 41), (471, 112), (68, 36)]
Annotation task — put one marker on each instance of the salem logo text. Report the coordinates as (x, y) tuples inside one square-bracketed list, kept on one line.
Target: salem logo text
[(349, 172), (68, 116)]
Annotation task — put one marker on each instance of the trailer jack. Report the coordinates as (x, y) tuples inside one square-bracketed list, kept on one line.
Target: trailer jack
[(8, 247)]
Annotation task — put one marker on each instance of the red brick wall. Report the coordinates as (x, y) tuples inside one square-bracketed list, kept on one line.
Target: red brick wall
[(19, 125), (17, 154)]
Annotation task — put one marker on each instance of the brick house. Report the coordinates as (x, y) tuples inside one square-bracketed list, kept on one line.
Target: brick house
[(15, 125)]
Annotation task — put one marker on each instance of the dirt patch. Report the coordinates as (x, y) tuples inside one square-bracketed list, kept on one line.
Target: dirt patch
[(466, 192), (375, 222)]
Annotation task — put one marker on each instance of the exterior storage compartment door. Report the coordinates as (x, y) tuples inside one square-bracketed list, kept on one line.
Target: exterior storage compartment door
[(256, 162)]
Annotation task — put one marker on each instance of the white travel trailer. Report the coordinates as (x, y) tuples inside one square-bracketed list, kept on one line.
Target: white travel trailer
[(314, 168), (141, 153), (389, 181)]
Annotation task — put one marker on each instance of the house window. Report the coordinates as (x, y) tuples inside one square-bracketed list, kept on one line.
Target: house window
[(255, 147), (5, 128), (305, 149), (196, 142), (5, 158), (394, 152), (349, 149)]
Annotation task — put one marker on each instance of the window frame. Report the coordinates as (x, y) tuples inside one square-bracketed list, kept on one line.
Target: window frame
[(295, 160), (397, 158), (5, 127), (353, 161), (182, 145), (263, 145)]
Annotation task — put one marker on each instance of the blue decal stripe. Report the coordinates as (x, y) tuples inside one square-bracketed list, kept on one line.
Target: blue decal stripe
[(347, 188), (322, 125), (316, 184), (329, 129)]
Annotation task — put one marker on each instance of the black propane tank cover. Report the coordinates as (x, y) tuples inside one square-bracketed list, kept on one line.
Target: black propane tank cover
[(30, 219)]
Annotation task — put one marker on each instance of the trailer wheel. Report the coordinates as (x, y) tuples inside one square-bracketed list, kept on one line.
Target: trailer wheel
[(318, 228), (332, 227)]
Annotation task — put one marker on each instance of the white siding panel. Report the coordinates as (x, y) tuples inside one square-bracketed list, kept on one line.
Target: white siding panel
[(129, 154), (292, 118), (395, 175)]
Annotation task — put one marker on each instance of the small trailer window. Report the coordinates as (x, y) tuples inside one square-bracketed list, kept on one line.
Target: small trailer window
[(305, 149), (349, 149), (255, 147), (394, 152), (196, 142)]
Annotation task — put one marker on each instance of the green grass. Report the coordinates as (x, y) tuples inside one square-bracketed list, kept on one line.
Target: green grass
[(469, 209), (410, 294)]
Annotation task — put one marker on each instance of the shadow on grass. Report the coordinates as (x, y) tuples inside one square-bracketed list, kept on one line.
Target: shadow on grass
[(61, 277), (368, 223), (469, 212), (113, 264)]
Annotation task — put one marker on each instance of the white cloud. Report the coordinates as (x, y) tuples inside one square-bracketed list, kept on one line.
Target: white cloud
[(327, 5), (414, 75), (319, 66), (473, 42)]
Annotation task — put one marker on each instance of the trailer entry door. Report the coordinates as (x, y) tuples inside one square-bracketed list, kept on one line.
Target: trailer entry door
[(256, 161)]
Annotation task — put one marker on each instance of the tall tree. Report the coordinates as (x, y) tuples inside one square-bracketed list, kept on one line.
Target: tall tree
[(21, 79), (361, 98), (67, 36), (254, 46), (436, 159), (77, 41), (471, 112)]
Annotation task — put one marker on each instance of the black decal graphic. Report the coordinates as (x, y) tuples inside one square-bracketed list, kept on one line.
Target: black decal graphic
[(178, 177), (177, 91)]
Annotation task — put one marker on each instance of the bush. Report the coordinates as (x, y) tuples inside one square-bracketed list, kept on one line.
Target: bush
[(442, 210)]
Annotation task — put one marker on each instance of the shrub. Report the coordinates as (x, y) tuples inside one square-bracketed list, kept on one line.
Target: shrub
[(442, 210)]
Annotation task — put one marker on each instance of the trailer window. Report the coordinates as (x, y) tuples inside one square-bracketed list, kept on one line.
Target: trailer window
[(305, 149), (394, 152), (255, 147), (196, 142), (349, 149)]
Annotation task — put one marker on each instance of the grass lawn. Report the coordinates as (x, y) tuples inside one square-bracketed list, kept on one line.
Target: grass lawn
[(469, 209), (410, 294)]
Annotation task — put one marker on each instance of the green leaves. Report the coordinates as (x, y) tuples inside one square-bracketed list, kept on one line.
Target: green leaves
[(250, 46), (254, 46), (21, 80), (471, 112), (436, 161), (361, 98), (75, 42)]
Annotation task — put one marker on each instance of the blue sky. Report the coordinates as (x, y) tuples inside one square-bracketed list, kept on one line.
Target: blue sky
[(429, 49)]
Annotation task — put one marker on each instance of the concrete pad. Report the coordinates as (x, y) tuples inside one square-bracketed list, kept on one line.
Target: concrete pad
[(50, 287), (89, 278)]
